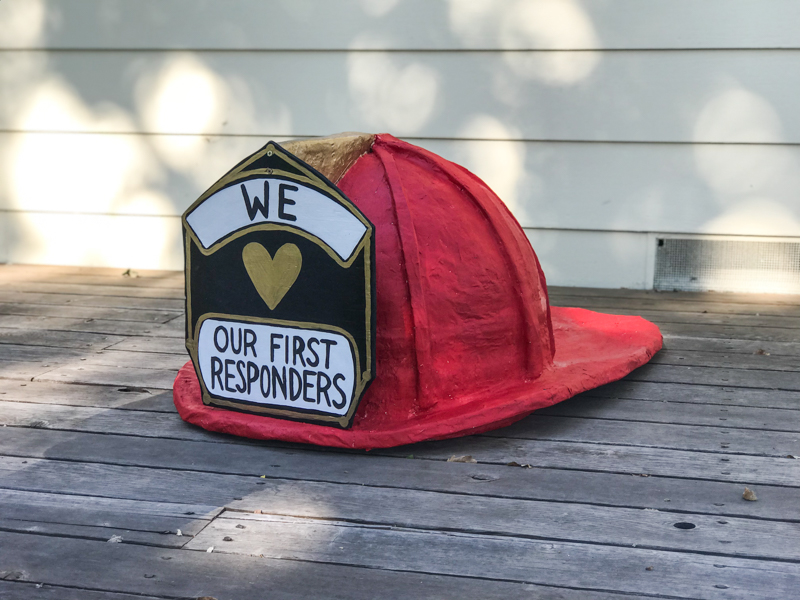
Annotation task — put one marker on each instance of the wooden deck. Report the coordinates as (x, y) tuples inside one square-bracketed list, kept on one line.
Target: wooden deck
[(631, 491)]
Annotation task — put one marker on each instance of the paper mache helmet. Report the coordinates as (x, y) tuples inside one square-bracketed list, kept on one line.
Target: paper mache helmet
[(361, 292)]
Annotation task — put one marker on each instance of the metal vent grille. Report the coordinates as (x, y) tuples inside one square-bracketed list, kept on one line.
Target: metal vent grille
[(695, 265)]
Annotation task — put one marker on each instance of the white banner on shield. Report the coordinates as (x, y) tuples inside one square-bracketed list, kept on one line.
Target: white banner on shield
[(274, 200)]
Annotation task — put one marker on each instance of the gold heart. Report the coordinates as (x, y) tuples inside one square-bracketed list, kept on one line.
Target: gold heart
[(272, 277)]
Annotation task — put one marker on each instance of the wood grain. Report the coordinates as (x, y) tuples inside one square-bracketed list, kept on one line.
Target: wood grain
[(573, 502), (490, 556)]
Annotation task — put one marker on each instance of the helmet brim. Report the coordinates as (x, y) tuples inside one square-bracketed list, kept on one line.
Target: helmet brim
[(592, 349)]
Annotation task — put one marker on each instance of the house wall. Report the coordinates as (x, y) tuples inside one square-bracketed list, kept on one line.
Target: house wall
[(601, 123)]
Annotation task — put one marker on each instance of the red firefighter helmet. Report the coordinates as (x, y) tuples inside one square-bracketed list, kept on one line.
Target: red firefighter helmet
[(466, 339)]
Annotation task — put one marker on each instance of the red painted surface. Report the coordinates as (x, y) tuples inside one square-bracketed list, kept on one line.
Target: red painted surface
[(465, 341)]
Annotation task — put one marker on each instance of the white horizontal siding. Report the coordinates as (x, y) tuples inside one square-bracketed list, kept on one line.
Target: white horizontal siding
[(688, 96), (400, 24), (601, 123), (580, 258), (736, 189), (143, 242), (671, 188), (595, 258)]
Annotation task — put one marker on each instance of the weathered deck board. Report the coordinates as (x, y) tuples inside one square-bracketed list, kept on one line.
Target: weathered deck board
[(109, 358), (87, 312), (661, 317), (727, 455), (152, 344), (728, 376), (14, 589), (102, 533), (112, 375), (168, 525), (166, 573), (699, 394), (752, 361), (731, 332), (115, 290), (56, 299), (92, 448), (678, 412), (773, 419), (173, 328), (125, 397), (97, 511), (649, 528), (58, 339), (196, 472), (506, 558), (732, 346), (649, 434)]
